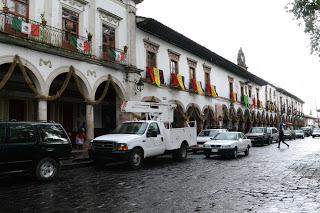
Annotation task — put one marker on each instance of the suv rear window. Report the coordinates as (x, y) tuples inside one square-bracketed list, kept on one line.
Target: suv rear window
[(52, 134)]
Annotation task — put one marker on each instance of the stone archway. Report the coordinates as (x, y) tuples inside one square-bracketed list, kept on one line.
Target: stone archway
[(210, 121), (254, 118), (267, 120), (234, 118), (259, 119), (247, 120), (107, 112), (194, 114), (179, 117), (241, 125), (19, 95), (69, 108), (226, 117)]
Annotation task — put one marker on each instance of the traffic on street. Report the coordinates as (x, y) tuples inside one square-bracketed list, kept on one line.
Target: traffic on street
[(268, 180)]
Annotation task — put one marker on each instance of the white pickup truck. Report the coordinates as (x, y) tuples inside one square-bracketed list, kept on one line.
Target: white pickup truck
[(134, 141)]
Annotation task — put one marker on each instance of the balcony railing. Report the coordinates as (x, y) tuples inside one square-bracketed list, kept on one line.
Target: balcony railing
[(61, 39)]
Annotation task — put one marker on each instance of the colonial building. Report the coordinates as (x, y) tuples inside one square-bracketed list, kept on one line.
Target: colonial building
[(207, 87), (75, 61), (70, 61)]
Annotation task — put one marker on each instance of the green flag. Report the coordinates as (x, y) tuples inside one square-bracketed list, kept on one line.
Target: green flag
[(16, 24), (112, 53)]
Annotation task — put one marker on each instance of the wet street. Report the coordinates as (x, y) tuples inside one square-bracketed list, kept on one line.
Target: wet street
[(268, 180)]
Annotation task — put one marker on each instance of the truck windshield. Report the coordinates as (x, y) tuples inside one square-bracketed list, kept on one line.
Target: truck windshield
[(257, 130), (131, 128)]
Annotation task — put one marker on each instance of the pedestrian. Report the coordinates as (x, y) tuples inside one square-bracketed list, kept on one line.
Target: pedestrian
[(281, 137), (80, 138)]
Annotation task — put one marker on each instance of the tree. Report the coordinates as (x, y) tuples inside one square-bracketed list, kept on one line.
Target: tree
[(308, 12)]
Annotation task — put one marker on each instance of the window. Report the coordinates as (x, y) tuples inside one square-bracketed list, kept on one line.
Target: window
[(2, 133), (151, 59), (52, 134), (207, 78), (258, 98), (231, 87), (154, 127), (174, 67), (70, 23), (192, 71), (108, 40), (250, 92), (21, 133), (18, 7), (242, 90)]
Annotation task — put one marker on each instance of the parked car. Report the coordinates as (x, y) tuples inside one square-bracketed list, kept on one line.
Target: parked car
[(204, 136), (299, 133), (316, 133), (259, 135), (289, 134), (35, 147), (274, 133), (227, 144), (307, 131)]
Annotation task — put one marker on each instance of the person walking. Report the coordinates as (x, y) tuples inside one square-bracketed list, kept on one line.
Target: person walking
[(80, 138), (281, 137)]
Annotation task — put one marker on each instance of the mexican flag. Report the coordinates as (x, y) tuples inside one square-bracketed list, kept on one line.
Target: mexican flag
[(117, 55), (25, 28), (81, 45)]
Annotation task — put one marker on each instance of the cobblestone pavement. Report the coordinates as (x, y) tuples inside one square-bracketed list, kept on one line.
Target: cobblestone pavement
[(268, 180)]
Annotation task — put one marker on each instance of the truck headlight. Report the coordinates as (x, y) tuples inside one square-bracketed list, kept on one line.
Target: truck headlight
[(122, 147)]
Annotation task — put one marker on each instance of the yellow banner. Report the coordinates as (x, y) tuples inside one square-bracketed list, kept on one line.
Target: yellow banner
[(199, 88), (156, 73), (180, 81), (213, 91)]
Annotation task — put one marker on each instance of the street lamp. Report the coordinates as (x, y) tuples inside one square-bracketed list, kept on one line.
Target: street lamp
[(139, 85)]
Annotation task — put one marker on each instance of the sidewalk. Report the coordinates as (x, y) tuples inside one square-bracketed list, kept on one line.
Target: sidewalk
[(78, 158)]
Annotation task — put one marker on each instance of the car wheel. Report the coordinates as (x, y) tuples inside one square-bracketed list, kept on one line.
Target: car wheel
[(46, 169), (234, 154), (181, 153), (136, 158), (247, 151)]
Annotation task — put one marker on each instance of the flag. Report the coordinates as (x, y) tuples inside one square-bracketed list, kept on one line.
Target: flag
[(213, 91), (156, 72), (194, 85), (199, 88), (16, 24), (180, 81), (82, 46), (174, 80), (151, 74), (246, 101), (25, 27), (35, 30)]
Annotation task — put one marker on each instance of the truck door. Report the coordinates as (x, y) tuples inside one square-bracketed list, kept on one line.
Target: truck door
[(154, 140)]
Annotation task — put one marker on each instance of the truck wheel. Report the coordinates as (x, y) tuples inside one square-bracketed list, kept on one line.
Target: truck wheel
[(135, 159), (181, 153), (46, 169)]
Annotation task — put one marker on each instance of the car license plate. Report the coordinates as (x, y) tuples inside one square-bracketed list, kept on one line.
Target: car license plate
[(214, 150)]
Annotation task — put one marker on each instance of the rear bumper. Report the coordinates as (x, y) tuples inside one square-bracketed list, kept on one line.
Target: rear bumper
[(257, 140)]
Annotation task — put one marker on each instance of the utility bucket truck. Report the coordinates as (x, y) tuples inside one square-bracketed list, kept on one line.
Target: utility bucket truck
[(133, 141)]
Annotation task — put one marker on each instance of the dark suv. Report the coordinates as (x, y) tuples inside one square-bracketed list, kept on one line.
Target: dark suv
[(35, 147), (259, 135)]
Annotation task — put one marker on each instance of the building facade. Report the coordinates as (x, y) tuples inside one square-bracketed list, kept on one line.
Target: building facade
[(75, 61)]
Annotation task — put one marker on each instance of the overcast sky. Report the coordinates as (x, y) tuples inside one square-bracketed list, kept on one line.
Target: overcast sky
[(275, 47)]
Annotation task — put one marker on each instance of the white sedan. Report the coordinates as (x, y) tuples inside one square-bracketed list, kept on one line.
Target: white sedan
[(227, 144)]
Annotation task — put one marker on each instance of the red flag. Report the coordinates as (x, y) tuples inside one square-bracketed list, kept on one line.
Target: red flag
[(86, 46), (151, 74), (194, 85), (35, 30)]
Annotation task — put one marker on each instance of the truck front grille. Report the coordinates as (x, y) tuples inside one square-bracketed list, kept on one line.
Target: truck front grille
[(103, 145)]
